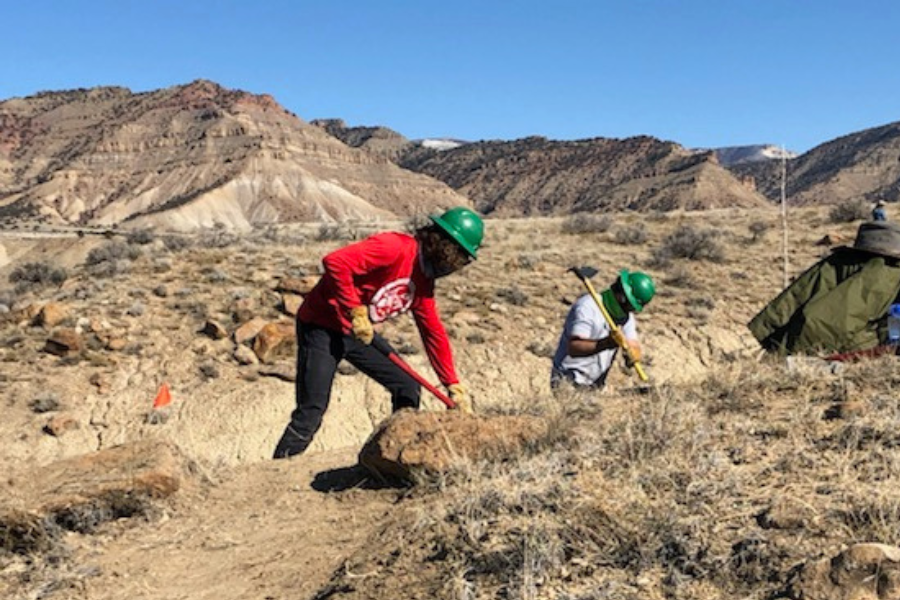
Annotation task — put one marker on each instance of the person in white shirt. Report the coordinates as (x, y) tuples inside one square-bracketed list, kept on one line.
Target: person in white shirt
[(587, 346)]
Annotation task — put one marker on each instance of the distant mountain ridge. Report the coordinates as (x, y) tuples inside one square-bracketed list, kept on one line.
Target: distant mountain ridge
[(190, 156), (515, 176), (537, 176), (864, 165)]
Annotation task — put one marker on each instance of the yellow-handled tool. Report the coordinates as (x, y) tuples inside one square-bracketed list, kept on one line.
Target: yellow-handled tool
[(585, 274)]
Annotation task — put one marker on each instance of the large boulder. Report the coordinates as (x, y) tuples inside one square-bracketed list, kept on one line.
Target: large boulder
[(412, 442)]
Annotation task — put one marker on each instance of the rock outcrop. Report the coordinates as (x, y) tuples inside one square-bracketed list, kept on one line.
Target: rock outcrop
[(412, 443)]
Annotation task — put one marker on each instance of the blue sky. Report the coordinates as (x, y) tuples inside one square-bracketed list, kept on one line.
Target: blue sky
[(705, 73)]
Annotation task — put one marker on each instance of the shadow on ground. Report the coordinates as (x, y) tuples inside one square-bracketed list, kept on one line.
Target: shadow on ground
[(354, 477)]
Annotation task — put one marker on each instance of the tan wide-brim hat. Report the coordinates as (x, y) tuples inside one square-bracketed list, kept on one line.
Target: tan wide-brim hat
[(878, 237)]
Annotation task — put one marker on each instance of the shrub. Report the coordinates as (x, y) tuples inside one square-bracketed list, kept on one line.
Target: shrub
[(583, 223), (758, 230), (416, 222), (631, 236), (112, 252), (176, 243), (337, 232), (37, 275), (848, 211), (219, 237), (679, 277), (513, 295), (687, 242), (141, 237)]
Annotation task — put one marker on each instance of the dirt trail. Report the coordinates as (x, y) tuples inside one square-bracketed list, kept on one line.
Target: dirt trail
[(272, 530)]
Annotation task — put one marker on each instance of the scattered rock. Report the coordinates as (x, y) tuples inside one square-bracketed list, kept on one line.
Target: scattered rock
[(846, 410), (243, 310), (214, 329), (209, 370), (297, 285), (275, 340), (249, 330), (245, 356), (413, 442), (136, 310), (157, 416), (101, 381), (290, 304), (281, 371), (59, 425), (63, 342), (116, 344), (51, 314), (466, 317), (45, 402)]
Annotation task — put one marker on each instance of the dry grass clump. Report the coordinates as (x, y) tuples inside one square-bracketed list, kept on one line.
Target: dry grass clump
[(716, 490), (32, 534)]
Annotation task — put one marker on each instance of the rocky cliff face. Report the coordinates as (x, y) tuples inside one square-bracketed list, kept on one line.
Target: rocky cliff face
[(540, 176), (863, 165), (190, 156), (380, 141)]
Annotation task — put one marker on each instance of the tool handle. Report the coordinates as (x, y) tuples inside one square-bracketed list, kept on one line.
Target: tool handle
[(636, 364), (380, 344)]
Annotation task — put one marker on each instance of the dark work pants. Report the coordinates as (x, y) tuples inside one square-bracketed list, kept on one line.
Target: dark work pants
[(319, 350)]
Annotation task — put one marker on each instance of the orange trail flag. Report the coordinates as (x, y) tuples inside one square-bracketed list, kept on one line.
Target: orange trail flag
[(163, 397)]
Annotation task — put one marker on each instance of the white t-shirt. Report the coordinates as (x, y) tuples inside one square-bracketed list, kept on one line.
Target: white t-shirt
[(585, 321)]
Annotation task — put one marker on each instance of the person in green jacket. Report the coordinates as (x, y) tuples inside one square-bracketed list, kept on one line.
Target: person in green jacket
[(840, 304)]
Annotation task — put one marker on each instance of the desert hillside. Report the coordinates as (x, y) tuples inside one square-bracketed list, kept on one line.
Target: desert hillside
[(724, 479), (189, 157)]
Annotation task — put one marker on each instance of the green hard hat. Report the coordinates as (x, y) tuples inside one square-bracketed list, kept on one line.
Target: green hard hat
[(638, 288), (464, 226)]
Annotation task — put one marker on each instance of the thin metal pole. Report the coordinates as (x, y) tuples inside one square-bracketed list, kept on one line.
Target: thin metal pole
[(784, 224)]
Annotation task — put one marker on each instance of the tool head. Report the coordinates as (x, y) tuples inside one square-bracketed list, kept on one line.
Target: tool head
[(584, 272)]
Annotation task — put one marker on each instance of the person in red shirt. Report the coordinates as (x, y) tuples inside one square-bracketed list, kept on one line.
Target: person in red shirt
[(366, 283)]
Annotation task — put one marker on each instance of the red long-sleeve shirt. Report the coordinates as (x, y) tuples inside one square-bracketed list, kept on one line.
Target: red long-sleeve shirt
[(382, 272)]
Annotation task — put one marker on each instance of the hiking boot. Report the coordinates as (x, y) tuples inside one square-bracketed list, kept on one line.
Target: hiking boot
[(291, 444)]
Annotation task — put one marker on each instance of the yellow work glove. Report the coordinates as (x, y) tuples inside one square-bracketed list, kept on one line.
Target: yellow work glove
[(460, 397), (618, 337), (361, 325)]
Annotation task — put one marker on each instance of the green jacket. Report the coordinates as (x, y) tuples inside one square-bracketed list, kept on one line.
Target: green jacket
[(838, 305)]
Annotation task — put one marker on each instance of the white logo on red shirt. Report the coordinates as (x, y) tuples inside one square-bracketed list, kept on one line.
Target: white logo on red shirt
[(391, 300)]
